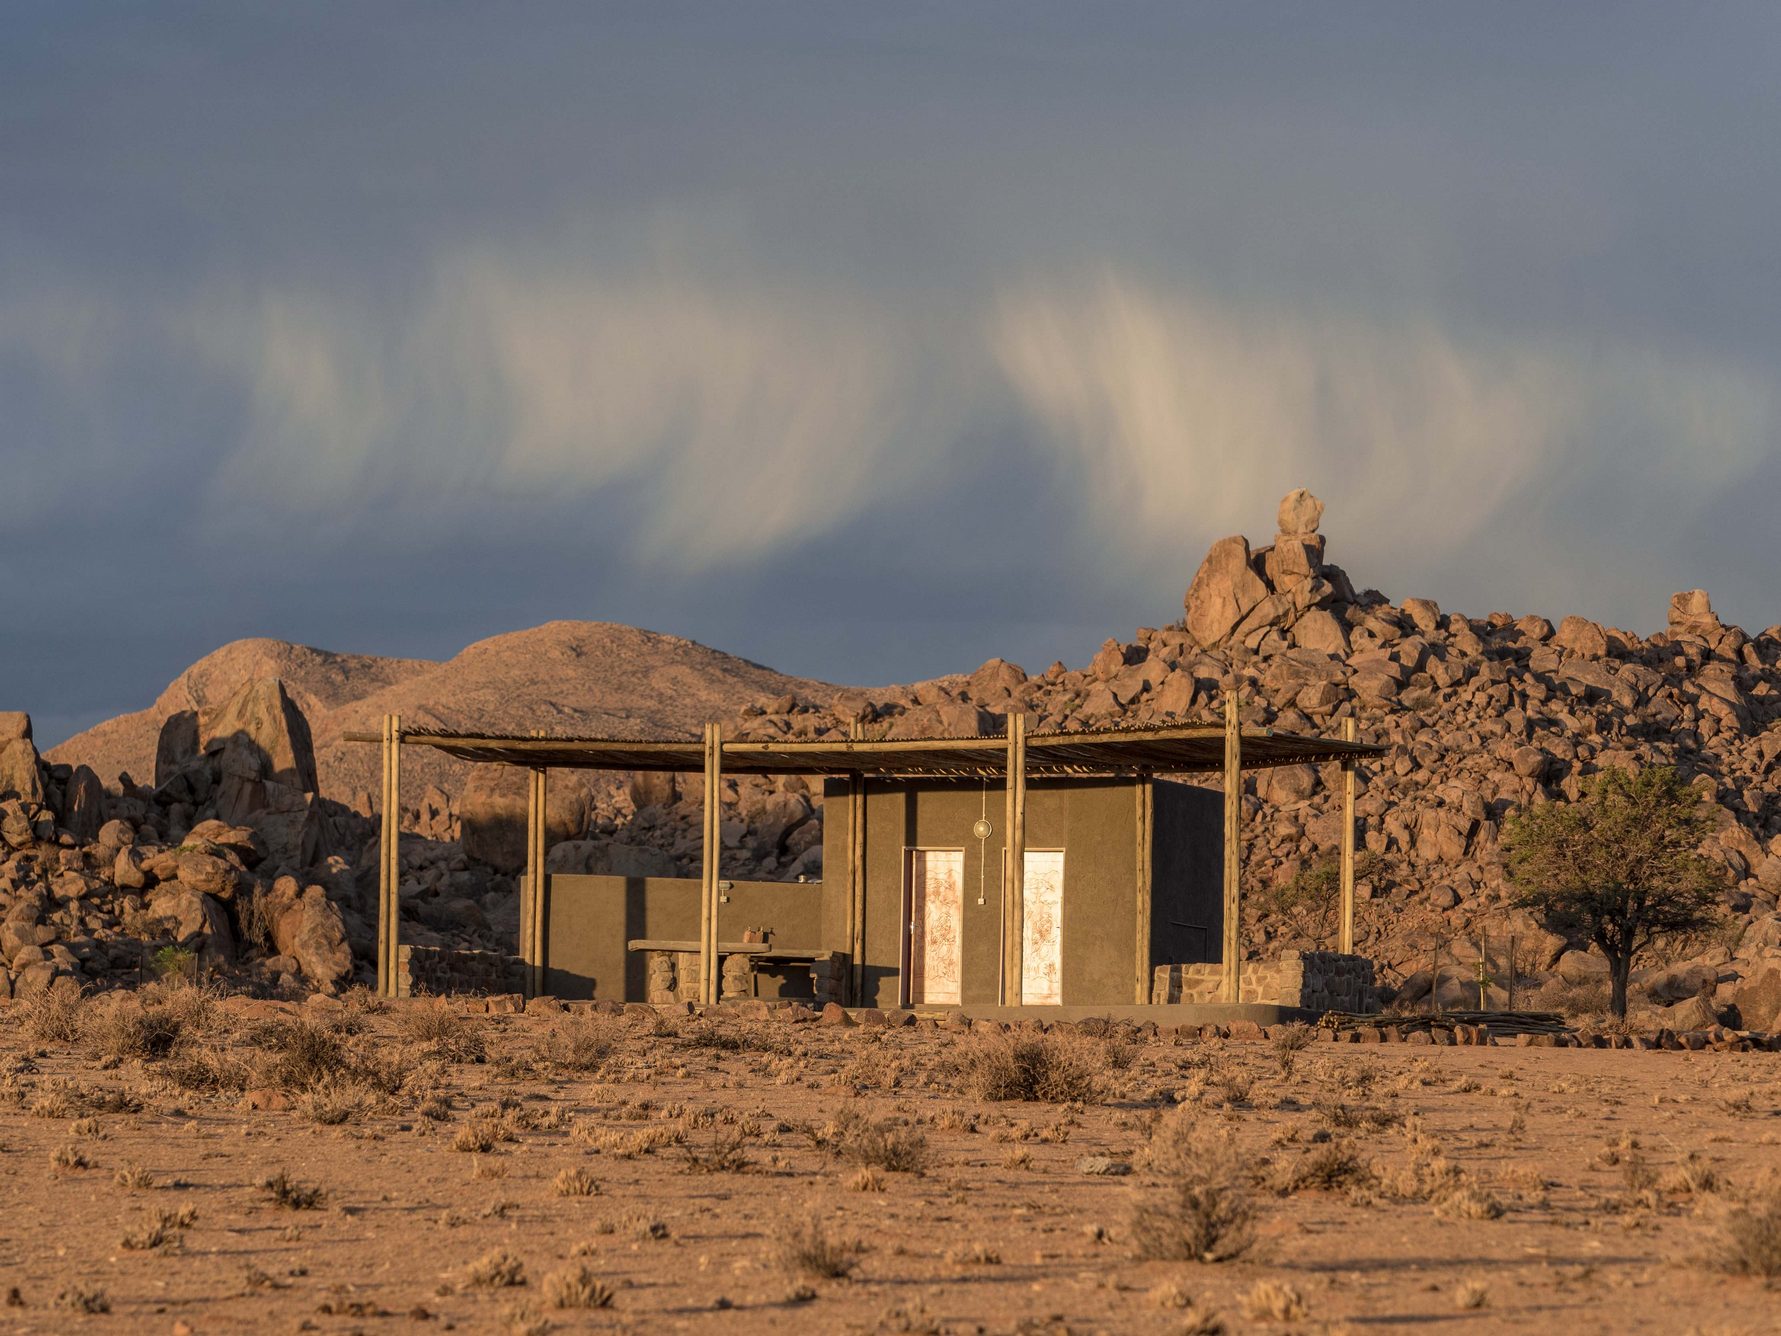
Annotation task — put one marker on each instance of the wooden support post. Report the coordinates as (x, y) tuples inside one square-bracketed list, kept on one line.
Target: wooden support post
[(856, 880), (1014, 864), (386, 829), (1347, 941), (1233, 811), (713, 845), (1146, 789), (535, 878)]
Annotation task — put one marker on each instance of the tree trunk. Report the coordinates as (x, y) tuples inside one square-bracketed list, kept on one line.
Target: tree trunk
[(1620, 969)]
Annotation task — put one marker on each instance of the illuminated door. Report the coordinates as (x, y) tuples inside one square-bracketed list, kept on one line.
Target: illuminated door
[(1042, 947), (936, 914)]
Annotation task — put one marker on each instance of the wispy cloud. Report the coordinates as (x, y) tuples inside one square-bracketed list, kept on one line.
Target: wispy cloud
[(1175, 410)]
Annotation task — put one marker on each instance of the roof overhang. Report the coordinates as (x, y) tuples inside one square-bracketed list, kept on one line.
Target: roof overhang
[(1164, 749)]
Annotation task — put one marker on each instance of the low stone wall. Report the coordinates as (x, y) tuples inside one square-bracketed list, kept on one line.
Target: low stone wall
[(674, 976), (435, 971), (1314, 980)]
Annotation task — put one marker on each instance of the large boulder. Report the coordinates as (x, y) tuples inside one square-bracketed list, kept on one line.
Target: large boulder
[(21, 772), (492, 814), (263, 721), (83, 805), (1691, 614), (1300, 512), (1758, 996), (1224, 591), (193, 919), (177, 745), (306, 926)]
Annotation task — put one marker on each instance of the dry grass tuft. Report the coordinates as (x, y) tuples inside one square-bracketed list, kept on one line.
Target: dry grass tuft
[(291, 1195), (1750, 1241), (882, 1144), (54, 1017), (1289, 1042), (134, 1178), (1202, 1211), (576, 1287), (806, 1248), (1272, 1301), (493, 1271), (69, 1156), (576, 1182), (1471, 1294), (442, 1032), (79, 1298), (581, 1041), (866, 1180), (1052, 1068)]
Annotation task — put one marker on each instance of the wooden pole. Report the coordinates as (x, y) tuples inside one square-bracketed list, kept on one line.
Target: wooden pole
[(1233, 811), (1146, 819), (1347, 942), (395, 873), (856, 880), (386, 978), (535, 877), (1014, 865), (708, 964)]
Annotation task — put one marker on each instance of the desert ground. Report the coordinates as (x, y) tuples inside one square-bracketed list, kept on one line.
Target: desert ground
[(176, 1161)]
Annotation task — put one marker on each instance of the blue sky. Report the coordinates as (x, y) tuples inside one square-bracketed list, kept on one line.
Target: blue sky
[(865, 341)]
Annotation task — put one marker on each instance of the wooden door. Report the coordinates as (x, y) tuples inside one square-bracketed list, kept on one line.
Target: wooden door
[(1042, 944), (935, 926)]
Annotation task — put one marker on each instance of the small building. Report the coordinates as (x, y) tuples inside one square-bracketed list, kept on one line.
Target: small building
[(1043, 869)]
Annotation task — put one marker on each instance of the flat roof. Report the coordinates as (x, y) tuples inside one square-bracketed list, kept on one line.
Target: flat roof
[(1159, 749)]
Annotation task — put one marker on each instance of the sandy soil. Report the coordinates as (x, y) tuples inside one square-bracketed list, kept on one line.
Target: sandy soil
[(1466, 1189)]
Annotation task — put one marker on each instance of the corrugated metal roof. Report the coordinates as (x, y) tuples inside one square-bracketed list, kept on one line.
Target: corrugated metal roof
[(1160, 749)]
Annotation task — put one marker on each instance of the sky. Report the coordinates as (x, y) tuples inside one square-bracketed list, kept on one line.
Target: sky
[(866, 341)]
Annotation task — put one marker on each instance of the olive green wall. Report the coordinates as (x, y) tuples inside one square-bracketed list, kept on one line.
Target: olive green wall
[(1095, 823), (588, 920)]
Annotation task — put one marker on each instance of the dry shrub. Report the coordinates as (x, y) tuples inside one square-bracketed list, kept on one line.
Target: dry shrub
[(1272, 1301), (1289, 1042), (69, 1156), (876, 1144), (147, 1025), (576, 1182), (79, 1298), (806, 1248), (442, 1032), (493, 1271), (1471, 1294), (581, 1041), (1468, 1201), (304, 1053), (866, 1180), (134, 1178), (728, 1153), (576, 1287), (1202, 1210), (1050, 1068), (53, 1017), (1327, 1167), (291, 1195), (1750, 1240)]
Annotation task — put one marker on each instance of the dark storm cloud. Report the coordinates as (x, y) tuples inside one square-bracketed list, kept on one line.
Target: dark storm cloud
[(865, 342)]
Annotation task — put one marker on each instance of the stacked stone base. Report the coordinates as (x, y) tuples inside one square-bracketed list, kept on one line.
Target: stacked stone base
[(1313, 980), (435, 971)]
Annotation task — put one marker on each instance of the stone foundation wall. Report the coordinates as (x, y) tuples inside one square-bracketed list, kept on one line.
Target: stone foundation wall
[(674, 977), (435, 971), (1314, 980)]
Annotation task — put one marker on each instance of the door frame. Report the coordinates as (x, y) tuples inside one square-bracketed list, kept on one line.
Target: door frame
[(906, 932)]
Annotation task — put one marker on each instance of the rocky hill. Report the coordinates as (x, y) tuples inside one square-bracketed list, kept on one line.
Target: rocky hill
[(566, 677)]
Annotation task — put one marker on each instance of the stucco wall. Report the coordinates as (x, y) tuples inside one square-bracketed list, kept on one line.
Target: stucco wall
[(588, 920), (1095, 822)]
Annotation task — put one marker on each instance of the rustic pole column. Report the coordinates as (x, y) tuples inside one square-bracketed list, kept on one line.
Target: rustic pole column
[(708, 963), (1146, 820), (1233, 810), (1014, 866), (535, 878), (395, 873), (1347, 942), (856, 878), (386, 978)]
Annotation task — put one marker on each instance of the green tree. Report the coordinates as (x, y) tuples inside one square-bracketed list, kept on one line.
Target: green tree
[(1620, 866)]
